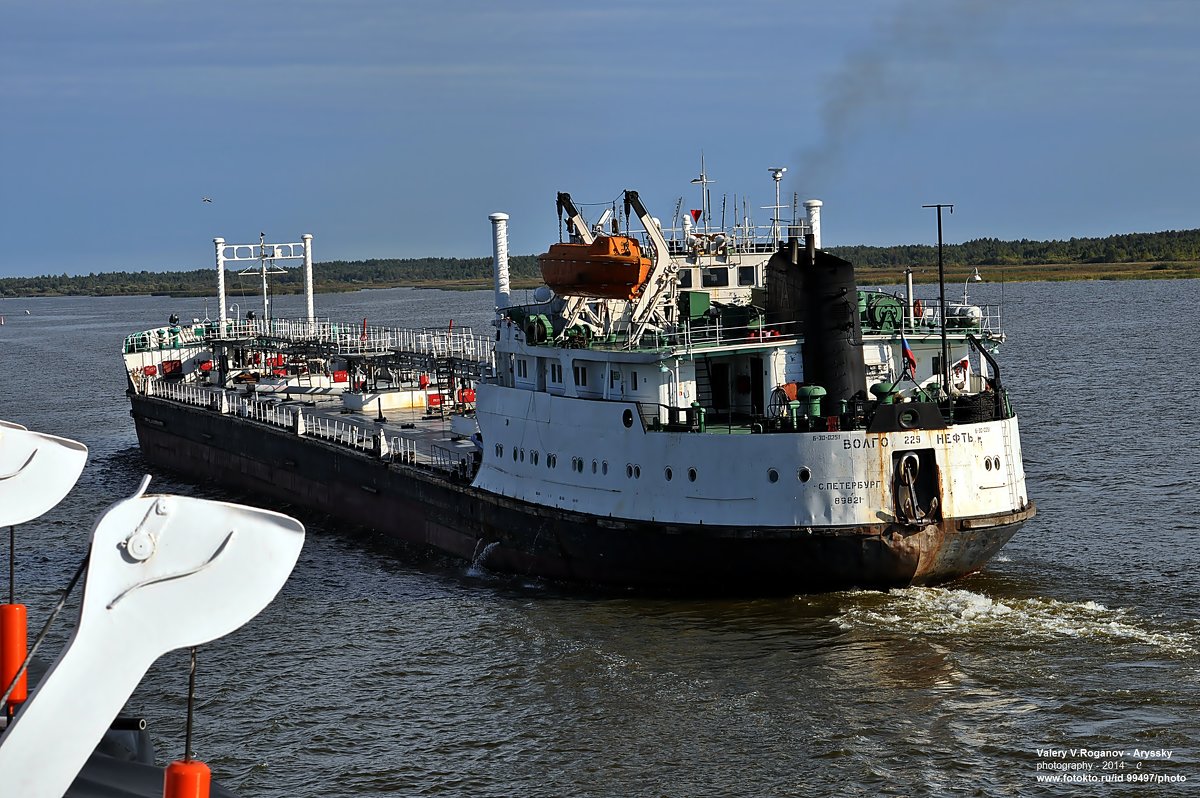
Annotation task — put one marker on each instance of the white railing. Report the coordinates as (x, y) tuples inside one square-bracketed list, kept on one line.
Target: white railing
[(270, 413), (404, 450), (341, 432), (971, 318), (188, 394), (344, 433), (164, 338), (447, 459), (344, 338)]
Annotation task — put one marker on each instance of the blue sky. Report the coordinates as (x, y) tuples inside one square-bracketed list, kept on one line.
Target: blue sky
[(392, 129)]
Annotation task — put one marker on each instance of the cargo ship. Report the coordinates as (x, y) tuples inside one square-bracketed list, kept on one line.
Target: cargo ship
[(679, 408)]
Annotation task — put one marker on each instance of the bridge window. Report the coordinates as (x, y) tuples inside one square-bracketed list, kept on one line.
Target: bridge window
[(745, 275), (715, 277), (556, 373), (685, 278)]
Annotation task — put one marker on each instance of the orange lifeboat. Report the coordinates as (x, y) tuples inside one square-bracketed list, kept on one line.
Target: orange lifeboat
[(611, 267)]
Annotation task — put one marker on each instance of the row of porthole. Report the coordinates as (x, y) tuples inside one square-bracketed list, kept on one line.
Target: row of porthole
[(991, 463), (632, 471)]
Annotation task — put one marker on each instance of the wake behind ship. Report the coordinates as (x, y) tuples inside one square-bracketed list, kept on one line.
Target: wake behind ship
[(713, 411)]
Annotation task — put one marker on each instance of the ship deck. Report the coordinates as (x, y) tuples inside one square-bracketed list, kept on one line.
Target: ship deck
[(435, 439)]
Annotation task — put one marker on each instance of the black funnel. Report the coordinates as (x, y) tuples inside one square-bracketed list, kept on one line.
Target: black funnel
[(833, 356)]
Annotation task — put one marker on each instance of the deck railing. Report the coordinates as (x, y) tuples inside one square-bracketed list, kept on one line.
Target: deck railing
[(341, 432), (340, 338), (361, 437)]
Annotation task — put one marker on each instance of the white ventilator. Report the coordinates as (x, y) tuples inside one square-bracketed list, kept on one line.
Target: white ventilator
[(36, 472), (165, 572)]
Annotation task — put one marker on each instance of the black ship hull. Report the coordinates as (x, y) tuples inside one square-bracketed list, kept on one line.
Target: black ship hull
[(430, 507)]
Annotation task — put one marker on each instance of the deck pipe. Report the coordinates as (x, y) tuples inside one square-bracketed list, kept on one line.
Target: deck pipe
[(308, 277), (219, 243), (500, 258), (812, 208)]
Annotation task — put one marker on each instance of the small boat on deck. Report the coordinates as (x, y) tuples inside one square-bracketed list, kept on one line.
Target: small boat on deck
[(610, 267)]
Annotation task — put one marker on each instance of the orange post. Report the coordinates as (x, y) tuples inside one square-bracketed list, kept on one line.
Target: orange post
[(13, 649), (186, 778)]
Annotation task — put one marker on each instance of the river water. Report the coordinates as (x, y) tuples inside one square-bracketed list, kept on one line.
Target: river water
[(382, 670)]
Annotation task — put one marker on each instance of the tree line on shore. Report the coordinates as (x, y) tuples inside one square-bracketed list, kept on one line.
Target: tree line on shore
[(1172, 246)]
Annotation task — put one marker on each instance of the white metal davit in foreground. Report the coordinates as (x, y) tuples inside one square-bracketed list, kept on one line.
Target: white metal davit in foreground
[(164, 572), (36, 472)]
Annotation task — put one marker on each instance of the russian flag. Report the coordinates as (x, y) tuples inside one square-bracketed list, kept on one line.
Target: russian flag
[(910, 360)]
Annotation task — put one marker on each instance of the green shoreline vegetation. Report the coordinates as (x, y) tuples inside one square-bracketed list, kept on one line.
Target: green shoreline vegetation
[(1135, 256)]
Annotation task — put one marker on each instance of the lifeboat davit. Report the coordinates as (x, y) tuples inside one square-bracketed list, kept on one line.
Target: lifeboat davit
[(611, 267)]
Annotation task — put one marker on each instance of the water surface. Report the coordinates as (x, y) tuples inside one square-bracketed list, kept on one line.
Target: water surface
[(384, 670)]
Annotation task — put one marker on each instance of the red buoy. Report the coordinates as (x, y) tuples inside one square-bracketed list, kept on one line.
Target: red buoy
[(13, 650), (186, 778)]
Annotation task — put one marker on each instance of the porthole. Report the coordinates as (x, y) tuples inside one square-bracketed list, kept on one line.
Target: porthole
[(668, 473), (629, 470), (595, 466), (604, 467), (637, 472), (987, 463), (627, 418), (499, 450), (514, 455), (804, 475), (551, 461), (522, 455), (691, 475), (772, 475)]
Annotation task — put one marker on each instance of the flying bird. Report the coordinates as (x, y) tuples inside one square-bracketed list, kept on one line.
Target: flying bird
[(206, 199)]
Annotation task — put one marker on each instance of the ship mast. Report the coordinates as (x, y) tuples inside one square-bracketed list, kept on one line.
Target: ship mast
[(945, 375)]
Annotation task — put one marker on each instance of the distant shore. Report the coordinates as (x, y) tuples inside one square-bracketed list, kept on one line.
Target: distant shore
[(25, 288)]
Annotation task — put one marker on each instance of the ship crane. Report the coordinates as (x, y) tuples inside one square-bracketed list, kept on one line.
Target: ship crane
[(649, 309), (653, 307), (574, 218)]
